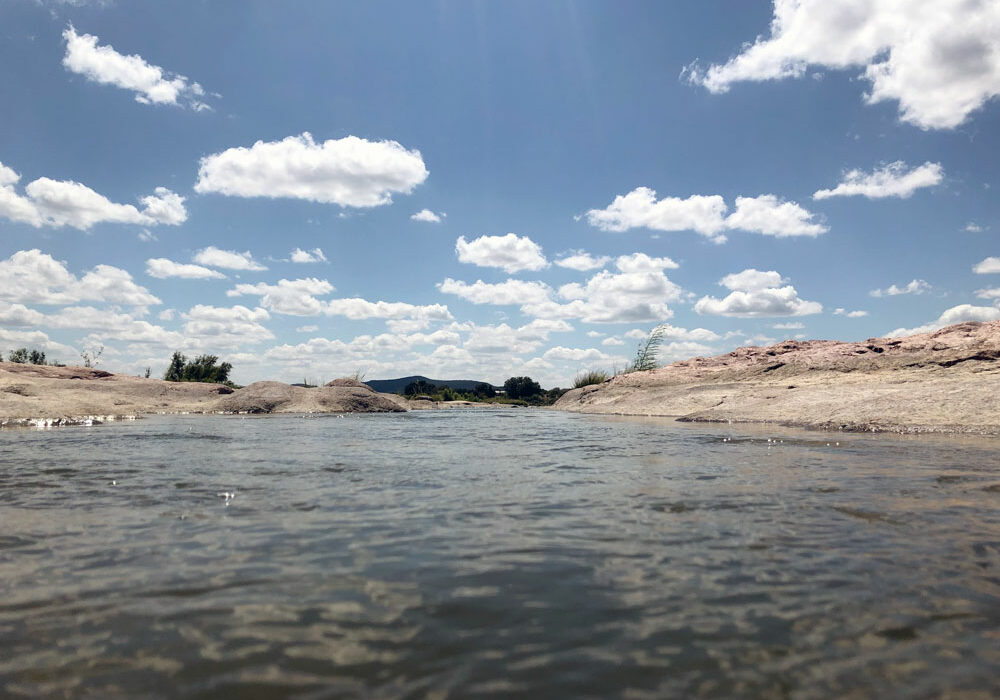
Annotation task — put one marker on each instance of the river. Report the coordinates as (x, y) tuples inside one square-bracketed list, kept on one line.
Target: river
[(495, 553)]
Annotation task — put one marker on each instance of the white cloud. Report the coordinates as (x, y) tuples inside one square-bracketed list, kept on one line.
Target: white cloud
[(640, 262), (989, 266), (705, 214), (849, 314), (163, 268), (510, 292), (794, 326), (560, 353), (307, 329), (583, 261), (641, 292), (956, 314), (167, 315), (359, 309), (291, 297), (702, 335), (227, 327), (640, 208), (34, 277), (38, 341), (307, 256), (19, 315), (511, 253), (770, 216), (612, 341), (595, 334), (912, 287), (940, 59), (427, 216), (973, 227), (57, 203), (892, 180), (151, 84), (757, 294), (351, 172), (227, 259)]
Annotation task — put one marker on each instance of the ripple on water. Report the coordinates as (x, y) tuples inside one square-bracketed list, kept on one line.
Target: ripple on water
[(495, 553)]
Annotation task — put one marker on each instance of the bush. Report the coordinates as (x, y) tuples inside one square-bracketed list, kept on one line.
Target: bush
[(594, 376), (23, 356), (484, 391)]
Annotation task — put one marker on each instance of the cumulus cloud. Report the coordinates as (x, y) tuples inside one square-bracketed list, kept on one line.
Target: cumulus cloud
[(640, 208), (849, 314), (307, 329), (612, 341), (307, 256), (151, 84), (639, 292), (34, 277), (510, 253), (427, 216), (227, 259), (892, 180), (770, 216), (956, 314), (58, 203), (510, 292), (163, 268), (973, 227), (939, 59), (989, 266), (290, 297), (359, 309), (756, 294), (351, 172), (705, 214), (582, 261), (911, 287), (227, 326)]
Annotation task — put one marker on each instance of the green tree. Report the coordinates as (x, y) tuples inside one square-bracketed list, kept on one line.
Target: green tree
[(521, 388), (20, 356), (175, 372), (36, 357), (484, 391)]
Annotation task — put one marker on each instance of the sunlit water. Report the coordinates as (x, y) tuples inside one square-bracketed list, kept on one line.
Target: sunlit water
[(495, 553)]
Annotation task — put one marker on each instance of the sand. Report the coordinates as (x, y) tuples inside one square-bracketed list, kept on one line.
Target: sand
[(947, 381)]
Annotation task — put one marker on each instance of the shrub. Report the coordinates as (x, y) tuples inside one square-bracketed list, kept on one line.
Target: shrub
[(645, 354), (592, 377), (23, 356)]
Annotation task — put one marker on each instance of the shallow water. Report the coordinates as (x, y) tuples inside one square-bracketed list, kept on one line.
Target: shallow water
[(495, 553)]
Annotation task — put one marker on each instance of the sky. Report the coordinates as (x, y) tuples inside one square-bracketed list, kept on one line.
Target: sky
[(480, 190)]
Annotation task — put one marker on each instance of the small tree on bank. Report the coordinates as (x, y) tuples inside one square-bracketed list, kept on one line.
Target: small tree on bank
[(521, 388), (645, 354)]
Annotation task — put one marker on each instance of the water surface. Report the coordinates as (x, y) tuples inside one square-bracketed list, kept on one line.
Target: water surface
[(506, 553)]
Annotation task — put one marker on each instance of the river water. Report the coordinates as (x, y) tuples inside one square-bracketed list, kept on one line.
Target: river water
[(495, 553)]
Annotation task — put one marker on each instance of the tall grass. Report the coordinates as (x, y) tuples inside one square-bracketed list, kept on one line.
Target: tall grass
[(594, 376)]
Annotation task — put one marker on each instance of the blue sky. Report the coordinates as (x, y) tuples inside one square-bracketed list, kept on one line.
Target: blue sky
[(481, 190)]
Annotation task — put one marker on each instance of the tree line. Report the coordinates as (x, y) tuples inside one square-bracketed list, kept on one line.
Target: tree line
[(516, 390)]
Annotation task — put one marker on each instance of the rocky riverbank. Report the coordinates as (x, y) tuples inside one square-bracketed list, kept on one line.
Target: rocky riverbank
[(43, 395), (947, 381)]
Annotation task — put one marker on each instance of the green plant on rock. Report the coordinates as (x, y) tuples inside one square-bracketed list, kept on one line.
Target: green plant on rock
[(645, 354), (594, 376)]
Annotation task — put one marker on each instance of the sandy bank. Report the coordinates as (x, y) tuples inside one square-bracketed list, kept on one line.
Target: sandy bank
[(43, 395), (947, 381)]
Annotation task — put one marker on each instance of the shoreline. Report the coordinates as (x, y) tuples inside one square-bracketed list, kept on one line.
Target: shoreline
[(944, 382)]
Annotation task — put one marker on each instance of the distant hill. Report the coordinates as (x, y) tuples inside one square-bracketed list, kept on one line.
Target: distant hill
[(396, 386)]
